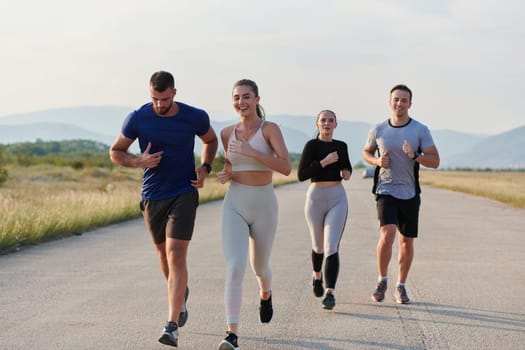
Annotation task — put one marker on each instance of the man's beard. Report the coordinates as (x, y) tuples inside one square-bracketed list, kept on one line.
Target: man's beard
[(163, 111)]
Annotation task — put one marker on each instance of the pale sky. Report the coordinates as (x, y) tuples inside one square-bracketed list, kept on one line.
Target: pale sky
[(463, 59)]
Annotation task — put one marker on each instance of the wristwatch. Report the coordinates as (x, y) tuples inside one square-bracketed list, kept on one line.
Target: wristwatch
[(416, 154), (207, 166)]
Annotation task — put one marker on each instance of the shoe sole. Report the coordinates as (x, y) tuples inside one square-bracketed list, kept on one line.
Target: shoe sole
[(166, 340), (377, 300), (398, 301), (224, 345), (183, 316)]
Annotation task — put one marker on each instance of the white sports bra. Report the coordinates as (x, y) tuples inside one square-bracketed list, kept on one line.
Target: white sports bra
[(243, 163)]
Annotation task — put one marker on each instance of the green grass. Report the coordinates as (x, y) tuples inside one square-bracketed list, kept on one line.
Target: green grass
[(45, 202)]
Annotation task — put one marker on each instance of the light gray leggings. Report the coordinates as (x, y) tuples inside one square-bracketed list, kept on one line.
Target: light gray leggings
[(249, 220), (326, 210)]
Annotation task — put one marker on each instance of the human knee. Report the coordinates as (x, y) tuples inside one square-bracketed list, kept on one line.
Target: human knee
[(406, 243), (176, 256), (388, 234), (234, 273)]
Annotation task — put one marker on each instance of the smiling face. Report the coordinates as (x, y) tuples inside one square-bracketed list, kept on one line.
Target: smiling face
[(244, 100), (400, 102), (326, 123)]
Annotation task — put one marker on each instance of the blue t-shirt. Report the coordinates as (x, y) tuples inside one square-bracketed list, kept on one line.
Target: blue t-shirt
[(175, 136)]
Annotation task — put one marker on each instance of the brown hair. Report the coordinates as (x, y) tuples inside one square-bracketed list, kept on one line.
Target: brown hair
[(255, 89), (402, 88), (161, 80)]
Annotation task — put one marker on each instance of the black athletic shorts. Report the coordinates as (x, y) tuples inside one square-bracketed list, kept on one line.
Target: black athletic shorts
[(173, 217), (404, 213)]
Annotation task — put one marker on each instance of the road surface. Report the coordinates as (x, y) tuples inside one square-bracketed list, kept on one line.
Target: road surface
[(104, 289)]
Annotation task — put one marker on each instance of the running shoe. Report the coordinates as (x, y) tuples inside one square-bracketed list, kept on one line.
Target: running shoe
[(401, 295), (317, 287), (379, 294), (230, 342), (266, 310), (183, 316), (170, 335), (329, 301)]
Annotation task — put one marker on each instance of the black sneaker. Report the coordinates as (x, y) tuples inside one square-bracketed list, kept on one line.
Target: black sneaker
[(379, 294), (229, 343), (329, 301), (183, 316), (401, 295), (266, 310), (170, 335), (317, 287)]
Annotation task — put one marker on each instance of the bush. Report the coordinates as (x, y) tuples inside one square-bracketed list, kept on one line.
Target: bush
[(3, 175)]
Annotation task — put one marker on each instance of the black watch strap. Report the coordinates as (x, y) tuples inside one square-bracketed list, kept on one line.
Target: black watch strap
[(416, 154), (207, 166)]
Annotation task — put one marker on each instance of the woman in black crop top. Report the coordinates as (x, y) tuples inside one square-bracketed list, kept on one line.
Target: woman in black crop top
[(326, 163)]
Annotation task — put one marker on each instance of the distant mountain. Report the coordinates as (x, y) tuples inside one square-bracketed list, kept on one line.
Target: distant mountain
[(505, 150), (48, 132), (105, 120), (457, 149)]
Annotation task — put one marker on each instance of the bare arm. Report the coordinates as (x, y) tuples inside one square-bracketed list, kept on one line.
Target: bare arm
[(281, 161), (369, 156), (226, 173), (209, 149), (118, 152), (428, 158)]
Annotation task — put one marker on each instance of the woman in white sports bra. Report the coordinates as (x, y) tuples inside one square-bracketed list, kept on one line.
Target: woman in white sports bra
[(254, 149)]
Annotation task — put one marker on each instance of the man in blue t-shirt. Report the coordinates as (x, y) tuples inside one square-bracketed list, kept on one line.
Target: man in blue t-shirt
[(402, 144), (166, 133)]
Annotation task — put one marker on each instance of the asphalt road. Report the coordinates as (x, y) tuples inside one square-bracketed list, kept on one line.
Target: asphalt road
[(104, 289)]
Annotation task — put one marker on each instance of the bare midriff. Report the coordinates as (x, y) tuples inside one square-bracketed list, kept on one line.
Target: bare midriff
[(252, 178), (321, 184)]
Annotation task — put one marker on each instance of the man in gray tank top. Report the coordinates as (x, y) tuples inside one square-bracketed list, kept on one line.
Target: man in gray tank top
[(397, 147)]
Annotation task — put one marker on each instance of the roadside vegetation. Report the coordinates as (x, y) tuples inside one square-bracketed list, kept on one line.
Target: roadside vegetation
[(50, 190), (505, 186), (48, 193)]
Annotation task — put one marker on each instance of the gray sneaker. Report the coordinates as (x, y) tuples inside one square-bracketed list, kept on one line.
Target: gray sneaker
[(328, 301), (170, 335), (401, 295), (183, 316), (379, 294)]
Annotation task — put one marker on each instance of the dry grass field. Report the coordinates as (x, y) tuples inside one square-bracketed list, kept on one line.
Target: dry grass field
[(45, 202), (506, 187)]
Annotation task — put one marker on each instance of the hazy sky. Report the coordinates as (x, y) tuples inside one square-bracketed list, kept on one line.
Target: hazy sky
[(463, 59)]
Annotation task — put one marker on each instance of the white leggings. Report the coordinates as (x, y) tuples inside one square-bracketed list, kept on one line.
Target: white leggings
[(326, 209), (249, 219)]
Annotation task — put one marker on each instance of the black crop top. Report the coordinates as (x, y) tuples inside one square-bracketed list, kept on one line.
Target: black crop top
[(316, 150)]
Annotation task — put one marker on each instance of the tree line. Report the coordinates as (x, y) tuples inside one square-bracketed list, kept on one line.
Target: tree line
[(77, 154)]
